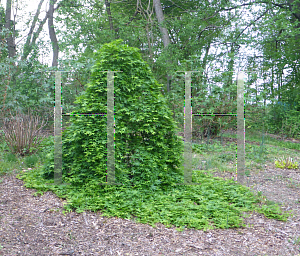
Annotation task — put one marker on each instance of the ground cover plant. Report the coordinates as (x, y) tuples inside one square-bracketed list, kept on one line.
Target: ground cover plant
[(214, 204), (154, 158), (10, 161)]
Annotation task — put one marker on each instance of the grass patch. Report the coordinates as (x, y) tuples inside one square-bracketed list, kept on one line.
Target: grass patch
[(10, 162), (256, 136)]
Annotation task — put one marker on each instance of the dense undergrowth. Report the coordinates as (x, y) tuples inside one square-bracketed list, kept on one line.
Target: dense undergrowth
[(213, 204)]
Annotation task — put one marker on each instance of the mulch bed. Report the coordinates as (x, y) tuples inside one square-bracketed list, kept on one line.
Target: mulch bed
[(35, 225)]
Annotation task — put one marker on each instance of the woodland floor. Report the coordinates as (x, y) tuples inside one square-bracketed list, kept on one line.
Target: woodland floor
[(35, 225)]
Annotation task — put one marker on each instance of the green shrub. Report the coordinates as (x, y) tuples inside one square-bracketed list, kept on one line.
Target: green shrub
[(148, 154), (31, 161), (10, 157), (284, 119)]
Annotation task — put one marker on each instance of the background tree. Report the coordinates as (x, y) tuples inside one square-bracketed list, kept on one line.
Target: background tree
[(202, 36)]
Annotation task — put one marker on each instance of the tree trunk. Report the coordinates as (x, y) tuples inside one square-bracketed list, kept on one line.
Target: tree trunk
[(149, 42), (111, 25), (279, 82), (203, 79), (28, 45), (272, 86), (160, 18), (107, 5), (52, 33), (2, 15), (10, 39), (232, 94), (164, 32)]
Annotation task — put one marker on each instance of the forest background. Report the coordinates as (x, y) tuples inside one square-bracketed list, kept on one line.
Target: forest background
[(209, 37)]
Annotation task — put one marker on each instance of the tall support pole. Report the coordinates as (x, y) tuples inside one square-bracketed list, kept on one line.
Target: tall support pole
[(188, 166), (240, 175), (110, 129), (57, 132), (188, 130)]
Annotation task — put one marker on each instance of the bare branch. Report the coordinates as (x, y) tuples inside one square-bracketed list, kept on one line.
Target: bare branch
[(252, 22), (132, 18)]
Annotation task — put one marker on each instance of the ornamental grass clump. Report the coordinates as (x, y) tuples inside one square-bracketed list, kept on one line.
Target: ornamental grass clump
[(148, 154), (286, 163)]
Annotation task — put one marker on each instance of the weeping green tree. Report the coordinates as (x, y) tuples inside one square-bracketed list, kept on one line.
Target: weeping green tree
[(148, 153)]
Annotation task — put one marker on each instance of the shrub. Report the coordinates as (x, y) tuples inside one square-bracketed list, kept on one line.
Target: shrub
[(22, 133), (31, 161), (148, 154), (284, 119)]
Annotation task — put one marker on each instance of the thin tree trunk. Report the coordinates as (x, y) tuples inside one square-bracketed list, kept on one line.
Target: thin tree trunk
[(279, 86), (52, 33), (256, 91), (203, 78), (10, 39), (28, 45), (164, 32), (1, 17), (272, 86), (160, 18), (149, 42), (107, 5), (233, 50), (111, 25)]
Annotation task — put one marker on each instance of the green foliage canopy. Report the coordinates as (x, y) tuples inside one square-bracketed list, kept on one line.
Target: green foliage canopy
[(145, 130)]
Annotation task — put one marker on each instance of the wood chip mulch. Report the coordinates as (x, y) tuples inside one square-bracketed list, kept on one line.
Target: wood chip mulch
[(34, 225)]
